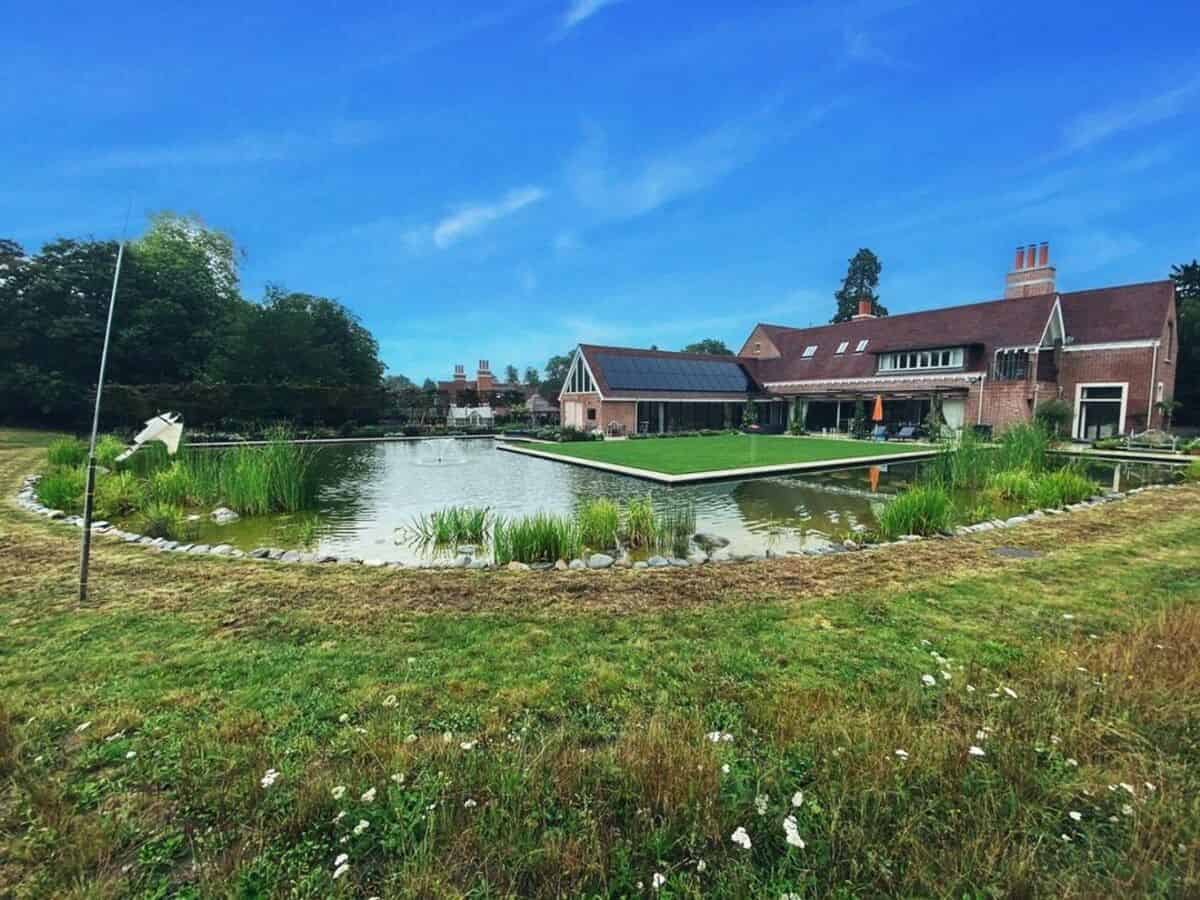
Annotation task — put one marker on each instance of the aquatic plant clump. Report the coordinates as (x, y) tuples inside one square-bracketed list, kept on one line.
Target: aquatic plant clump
[(599, 521), (67, 452), (165, 520), (924, 510), (452, 525), (62, 488), (541, 537), (117, 494), (641, 526)]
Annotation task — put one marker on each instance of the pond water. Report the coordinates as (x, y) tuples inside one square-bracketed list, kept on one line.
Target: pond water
[(370, 492)]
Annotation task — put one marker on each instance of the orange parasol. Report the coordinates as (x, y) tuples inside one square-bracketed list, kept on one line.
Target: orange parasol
[(877, 414), (873, 478)]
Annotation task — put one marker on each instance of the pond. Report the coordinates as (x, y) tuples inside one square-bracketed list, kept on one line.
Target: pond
[(371, 492)]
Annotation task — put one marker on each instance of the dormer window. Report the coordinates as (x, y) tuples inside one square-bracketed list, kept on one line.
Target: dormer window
[(950, 358), (842, 347), (809, 351), (862, 345)]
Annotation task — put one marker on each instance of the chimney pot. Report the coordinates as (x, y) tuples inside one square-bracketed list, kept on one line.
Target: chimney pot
[(1044, 254), (1031, 256), (1019, 262)]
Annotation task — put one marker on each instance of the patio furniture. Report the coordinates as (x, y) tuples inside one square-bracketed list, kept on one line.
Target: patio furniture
[(1152, 439), (879, 434), (907, 433)]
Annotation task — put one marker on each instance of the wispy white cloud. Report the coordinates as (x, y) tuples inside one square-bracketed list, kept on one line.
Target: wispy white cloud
[(471, 219), (238, 150), (626, 190), (1091, 250), (579, 11), (1090, 128)]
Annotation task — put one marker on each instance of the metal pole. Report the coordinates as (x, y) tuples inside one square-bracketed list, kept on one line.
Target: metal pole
[(89, 493)]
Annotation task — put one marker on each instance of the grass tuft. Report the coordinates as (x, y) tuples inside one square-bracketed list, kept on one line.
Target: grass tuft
[(165, 520), (924, 510), (541, 537), (452, 525), (67, 452), (599, 521), (62, 488)]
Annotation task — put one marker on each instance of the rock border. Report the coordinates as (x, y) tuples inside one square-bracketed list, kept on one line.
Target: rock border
[(464, 557)]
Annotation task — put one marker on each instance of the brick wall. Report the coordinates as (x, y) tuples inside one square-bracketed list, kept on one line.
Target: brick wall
[(1131, 366), (623, 413)]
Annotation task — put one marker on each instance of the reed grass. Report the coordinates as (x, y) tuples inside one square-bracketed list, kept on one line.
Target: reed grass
[(1055, 490), (108, 448), (165, 520), (641, 525), (62, 488), (599, 521), (66, 452), (924, 510), (1023, 446), (118, 494), (452, 525), (1013, 485), (541, 537), (675, 529)]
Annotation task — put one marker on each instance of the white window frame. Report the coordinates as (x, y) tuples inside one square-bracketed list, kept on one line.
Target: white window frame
[(1078, 423), (1159, 393), (580, 379), (921, 360), (842, 347), (809, 351), (862, 345)]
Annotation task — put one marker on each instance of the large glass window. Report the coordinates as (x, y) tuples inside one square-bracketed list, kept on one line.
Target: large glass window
[(950, 358), (1011, 365)]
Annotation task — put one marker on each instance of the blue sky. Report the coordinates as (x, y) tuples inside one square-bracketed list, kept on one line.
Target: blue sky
[(502, 181)]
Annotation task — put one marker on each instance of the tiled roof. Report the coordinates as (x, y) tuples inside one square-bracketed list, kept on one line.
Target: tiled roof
[(1131, 312)]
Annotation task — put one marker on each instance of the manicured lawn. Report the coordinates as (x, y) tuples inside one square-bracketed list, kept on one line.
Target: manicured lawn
[(495, 735), (684, 455)]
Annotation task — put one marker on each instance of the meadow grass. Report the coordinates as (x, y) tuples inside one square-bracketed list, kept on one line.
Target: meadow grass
[(640, 528), (165, 520), (117, 494), (62, 487), (581, 748), (108, 448)]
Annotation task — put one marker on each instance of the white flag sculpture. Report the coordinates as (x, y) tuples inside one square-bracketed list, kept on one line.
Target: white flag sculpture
[(167, 428)]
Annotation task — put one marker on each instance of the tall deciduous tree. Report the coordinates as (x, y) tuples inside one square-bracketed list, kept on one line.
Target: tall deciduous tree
[(860, 283), (511, 374), (709, 345), (1187, 372), (532, 377)]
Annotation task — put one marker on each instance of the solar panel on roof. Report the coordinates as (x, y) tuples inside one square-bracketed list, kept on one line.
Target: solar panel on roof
[(653, 373)]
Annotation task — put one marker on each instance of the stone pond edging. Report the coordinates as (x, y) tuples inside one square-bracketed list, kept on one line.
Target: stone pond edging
[(464, 558)]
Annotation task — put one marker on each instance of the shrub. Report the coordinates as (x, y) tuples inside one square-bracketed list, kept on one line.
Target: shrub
[(540, 537), (921, 510), (1054, 416), (165, 520), (1192, 472), (67, 452), (117, 494), (599, 523), (62, 488), (174, 484), (1057, 489)]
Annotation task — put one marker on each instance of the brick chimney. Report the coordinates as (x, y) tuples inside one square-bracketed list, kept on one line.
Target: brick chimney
[(460, 373), (1032, 273), (866, 309), (483, 378)]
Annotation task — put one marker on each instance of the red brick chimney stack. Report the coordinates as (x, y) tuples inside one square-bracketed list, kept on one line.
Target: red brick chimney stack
[(1032, 274), (483, 378), (866, 309), (460, 373)]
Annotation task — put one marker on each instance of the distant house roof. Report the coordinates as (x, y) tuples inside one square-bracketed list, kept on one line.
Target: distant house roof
[(1132, 312), (627, 373)]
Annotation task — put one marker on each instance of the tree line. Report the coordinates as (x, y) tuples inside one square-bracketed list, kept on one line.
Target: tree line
[(180, 318)]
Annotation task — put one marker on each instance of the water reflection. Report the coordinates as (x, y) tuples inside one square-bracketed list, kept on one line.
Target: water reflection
[(369, 490)]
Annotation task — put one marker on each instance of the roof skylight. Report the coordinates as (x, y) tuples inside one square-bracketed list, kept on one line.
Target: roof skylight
[(862, 345), (810, 350), (842, 347)]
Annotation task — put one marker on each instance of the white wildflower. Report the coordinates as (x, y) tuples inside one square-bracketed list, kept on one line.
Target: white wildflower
[(1072, 762), (798, 799), (928, 680), (362, 826), (1150, 787), (981, 735), (945, 675), (976, 751), (344, 718), (132, 754), (341, 815), (1055, 739), (903, 754), (447, 737), (342, 859), (398, 777), (725, 769), (1068, 616), (368, 796), (115, 736), (740, 838), (338, 792), (468, 745), (411, 739), (269, 778), (83, 726), (1011, 693), (1066, 840), (390, 700), (791, 832), (658, 880), (1075, 815), (340, 871), (760, 804), (1128, 788), (1126, 809), (970, 688), (701, 865), (469, 804)]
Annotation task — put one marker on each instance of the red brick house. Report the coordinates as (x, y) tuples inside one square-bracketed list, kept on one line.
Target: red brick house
[(484, 389), (1110, 353)]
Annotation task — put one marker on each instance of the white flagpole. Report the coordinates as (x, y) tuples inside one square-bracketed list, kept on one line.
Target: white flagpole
[(89, 494)]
